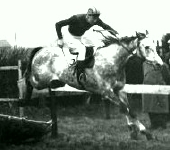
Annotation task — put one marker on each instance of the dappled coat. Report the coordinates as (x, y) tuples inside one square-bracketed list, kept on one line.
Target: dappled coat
[(154, 103)]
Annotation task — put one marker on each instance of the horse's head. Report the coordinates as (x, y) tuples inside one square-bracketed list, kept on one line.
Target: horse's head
[(147, 48)]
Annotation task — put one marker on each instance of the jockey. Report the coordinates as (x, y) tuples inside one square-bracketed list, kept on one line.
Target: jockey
[(77, 25)]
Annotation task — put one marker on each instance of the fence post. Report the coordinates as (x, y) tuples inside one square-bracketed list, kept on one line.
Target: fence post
[(21, 109)]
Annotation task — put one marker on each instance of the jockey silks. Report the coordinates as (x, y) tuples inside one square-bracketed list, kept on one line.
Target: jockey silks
[(78, 25)]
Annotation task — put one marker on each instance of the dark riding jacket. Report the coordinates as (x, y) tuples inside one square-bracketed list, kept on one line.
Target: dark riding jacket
[(78, 25)]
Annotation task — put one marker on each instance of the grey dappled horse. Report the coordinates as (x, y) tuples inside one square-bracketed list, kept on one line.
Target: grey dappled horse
[(48, 68)]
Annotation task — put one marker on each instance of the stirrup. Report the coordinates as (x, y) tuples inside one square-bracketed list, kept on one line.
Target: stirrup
[(82, 76), (73, 64)]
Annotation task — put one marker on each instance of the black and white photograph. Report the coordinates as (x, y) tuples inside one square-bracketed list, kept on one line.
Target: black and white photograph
[(84, 75)]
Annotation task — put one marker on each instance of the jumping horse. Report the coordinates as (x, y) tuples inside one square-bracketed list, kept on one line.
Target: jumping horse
[(48, 68)]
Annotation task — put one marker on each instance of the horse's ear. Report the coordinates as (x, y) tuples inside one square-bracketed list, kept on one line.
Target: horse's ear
[(147, 32), (137, 34), (141, 35)]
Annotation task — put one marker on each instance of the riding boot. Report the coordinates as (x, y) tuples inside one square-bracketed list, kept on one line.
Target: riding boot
[(80, 66)]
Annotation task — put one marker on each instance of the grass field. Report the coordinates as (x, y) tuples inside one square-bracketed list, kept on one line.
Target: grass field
[(84, 127)]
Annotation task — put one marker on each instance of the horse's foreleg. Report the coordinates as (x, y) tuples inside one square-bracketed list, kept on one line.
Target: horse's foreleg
[(134, 124), (53, 108)]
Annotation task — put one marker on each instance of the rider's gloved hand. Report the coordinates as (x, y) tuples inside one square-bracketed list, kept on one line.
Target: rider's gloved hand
[(60, 43)]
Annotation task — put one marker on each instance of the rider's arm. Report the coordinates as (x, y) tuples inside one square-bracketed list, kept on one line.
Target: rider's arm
[(62, 23), (106, 27)]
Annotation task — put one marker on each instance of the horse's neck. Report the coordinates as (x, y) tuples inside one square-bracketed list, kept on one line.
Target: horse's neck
[(114, 54)]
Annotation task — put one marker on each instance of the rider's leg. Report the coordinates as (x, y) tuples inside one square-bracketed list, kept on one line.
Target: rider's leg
[(81, 56), (70, 46), (69, 57), (81, 49)]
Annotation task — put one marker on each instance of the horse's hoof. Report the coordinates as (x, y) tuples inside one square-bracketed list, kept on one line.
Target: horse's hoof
[(148, 135)]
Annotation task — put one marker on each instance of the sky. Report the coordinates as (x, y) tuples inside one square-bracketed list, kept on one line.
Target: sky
[(33, 21)]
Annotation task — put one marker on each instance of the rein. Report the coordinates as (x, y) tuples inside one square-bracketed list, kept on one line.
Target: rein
[(100, 31)]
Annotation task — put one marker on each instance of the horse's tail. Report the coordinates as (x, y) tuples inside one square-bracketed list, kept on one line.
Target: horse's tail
[(28, 69)]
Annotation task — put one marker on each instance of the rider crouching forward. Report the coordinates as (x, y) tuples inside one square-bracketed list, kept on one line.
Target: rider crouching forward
[(73, 38), (77, 25)]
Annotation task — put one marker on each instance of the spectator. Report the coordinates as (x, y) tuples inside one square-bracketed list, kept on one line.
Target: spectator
[(157, 106), (167, 54)]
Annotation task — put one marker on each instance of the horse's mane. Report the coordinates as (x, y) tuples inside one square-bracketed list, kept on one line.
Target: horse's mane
[(112, 40)]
